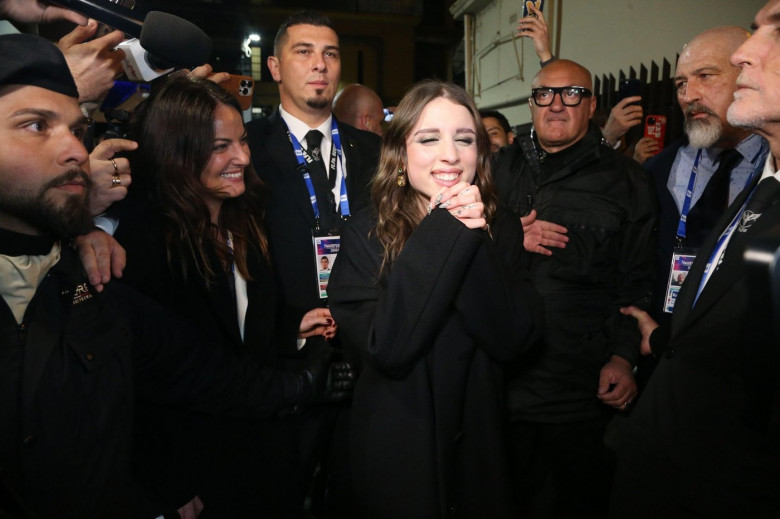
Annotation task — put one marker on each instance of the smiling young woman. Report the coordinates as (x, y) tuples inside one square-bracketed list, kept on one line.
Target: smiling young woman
[(434, 304)]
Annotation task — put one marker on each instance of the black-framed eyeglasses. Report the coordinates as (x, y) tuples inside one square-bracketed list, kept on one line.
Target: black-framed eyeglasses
[(570, 95)]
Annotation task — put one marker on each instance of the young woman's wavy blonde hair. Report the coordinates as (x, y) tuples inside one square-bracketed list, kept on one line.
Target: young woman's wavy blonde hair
[(398, 208)]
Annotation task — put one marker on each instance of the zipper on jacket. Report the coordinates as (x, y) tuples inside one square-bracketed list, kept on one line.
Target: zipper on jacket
[(22, 333)]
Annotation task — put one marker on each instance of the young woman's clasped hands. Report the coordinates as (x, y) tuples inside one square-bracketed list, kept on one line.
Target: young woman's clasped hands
[(464, 202)]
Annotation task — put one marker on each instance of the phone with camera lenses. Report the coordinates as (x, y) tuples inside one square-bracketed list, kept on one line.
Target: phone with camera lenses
[(242, 88)]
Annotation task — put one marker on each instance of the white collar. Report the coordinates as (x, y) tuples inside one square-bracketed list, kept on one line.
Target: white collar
[(299, 128)]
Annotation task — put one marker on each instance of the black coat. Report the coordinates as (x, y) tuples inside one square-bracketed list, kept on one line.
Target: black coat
[(704, 439), (233, 465), (607, 204), (87, 357), (426, 438)]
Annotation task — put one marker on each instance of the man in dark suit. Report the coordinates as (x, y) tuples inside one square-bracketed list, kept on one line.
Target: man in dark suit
[(703, 440), (305, 200), (705, 82)]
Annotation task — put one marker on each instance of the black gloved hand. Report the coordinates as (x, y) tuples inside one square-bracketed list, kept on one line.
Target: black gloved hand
[(330, 380)]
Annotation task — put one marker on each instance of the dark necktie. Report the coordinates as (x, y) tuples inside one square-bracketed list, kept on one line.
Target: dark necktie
[(326, 201), (714, 199), (728, 160)]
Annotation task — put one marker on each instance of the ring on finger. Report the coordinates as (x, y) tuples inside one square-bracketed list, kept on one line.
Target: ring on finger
[(116, 180), (116, 168)]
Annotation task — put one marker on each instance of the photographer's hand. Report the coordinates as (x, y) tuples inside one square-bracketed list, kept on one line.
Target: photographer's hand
[(36, 11), (94, 64)]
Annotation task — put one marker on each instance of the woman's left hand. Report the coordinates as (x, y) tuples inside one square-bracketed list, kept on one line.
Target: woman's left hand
[(317, 322), (464, 202)]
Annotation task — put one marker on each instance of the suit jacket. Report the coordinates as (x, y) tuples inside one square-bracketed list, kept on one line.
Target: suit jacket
[(703, 439), (289, 216), (702, 217)]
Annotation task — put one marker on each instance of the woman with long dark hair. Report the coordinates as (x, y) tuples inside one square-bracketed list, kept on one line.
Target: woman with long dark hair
[(193, 231), (429, 289)]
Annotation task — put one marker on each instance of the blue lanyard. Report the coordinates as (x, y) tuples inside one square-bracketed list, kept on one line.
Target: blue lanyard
[(717, 251), (336, 155), (686, 208)]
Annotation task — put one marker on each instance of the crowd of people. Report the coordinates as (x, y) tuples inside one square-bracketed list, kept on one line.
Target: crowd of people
[(320, 314)]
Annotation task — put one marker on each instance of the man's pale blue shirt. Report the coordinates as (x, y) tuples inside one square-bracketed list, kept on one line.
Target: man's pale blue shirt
[(751, 150)]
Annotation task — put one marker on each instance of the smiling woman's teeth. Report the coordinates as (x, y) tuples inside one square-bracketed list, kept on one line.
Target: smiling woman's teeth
[(445, 176), (231, 175)]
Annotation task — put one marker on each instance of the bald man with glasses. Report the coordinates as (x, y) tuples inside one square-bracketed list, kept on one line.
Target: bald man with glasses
[(588, 215)]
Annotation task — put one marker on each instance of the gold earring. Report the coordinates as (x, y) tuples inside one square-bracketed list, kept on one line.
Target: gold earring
[(401, 180)]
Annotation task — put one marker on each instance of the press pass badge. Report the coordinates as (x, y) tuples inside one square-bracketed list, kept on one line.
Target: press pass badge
[(681, 264), (325, 250)]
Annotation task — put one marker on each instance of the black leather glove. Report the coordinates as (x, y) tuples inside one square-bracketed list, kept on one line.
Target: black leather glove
[(329, 380)]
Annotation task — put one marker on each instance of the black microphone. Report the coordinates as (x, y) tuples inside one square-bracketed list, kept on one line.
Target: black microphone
[(174, 42), (114, 13), (166, 42)]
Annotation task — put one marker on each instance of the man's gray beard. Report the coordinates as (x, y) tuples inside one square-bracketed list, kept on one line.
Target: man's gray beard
[(65, 221), (703, 133)]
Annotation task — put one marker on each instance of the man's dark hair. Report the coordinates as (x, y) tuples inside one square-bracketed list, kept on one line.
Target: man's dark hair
[(300, 18), (498, 116)]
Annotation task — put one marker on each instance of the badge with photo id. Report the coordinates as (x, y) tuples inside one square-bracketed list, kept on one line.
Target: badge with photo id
[(682, 259), (326, 248)]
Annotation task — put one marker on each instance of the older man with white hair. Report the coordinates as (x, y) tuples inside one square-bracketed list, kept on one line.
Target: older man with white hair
[(703, 440)]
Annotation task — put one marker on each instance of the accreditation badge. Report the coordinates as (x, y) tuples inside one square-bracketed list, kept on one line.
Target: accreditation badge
[(682, 259), (326, 248)]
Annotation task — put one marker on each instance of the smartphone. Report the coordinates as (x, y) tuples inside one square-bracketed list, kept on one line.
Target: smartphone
[(539, 4), (655, 128), (242, 88), (629, 88)]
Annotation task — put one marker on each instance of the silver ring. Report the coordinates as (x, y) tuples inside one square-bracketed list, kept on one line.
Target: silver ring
[(116, 168), (116, 180)]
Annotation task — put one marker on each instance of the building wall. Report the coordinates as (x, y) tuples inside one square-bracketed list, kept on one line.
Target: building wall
[(603, 35)]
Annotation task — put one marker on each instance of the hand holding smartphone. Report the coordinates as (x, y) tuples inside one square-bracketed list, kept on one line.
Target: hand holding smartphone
[(629, 88)]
